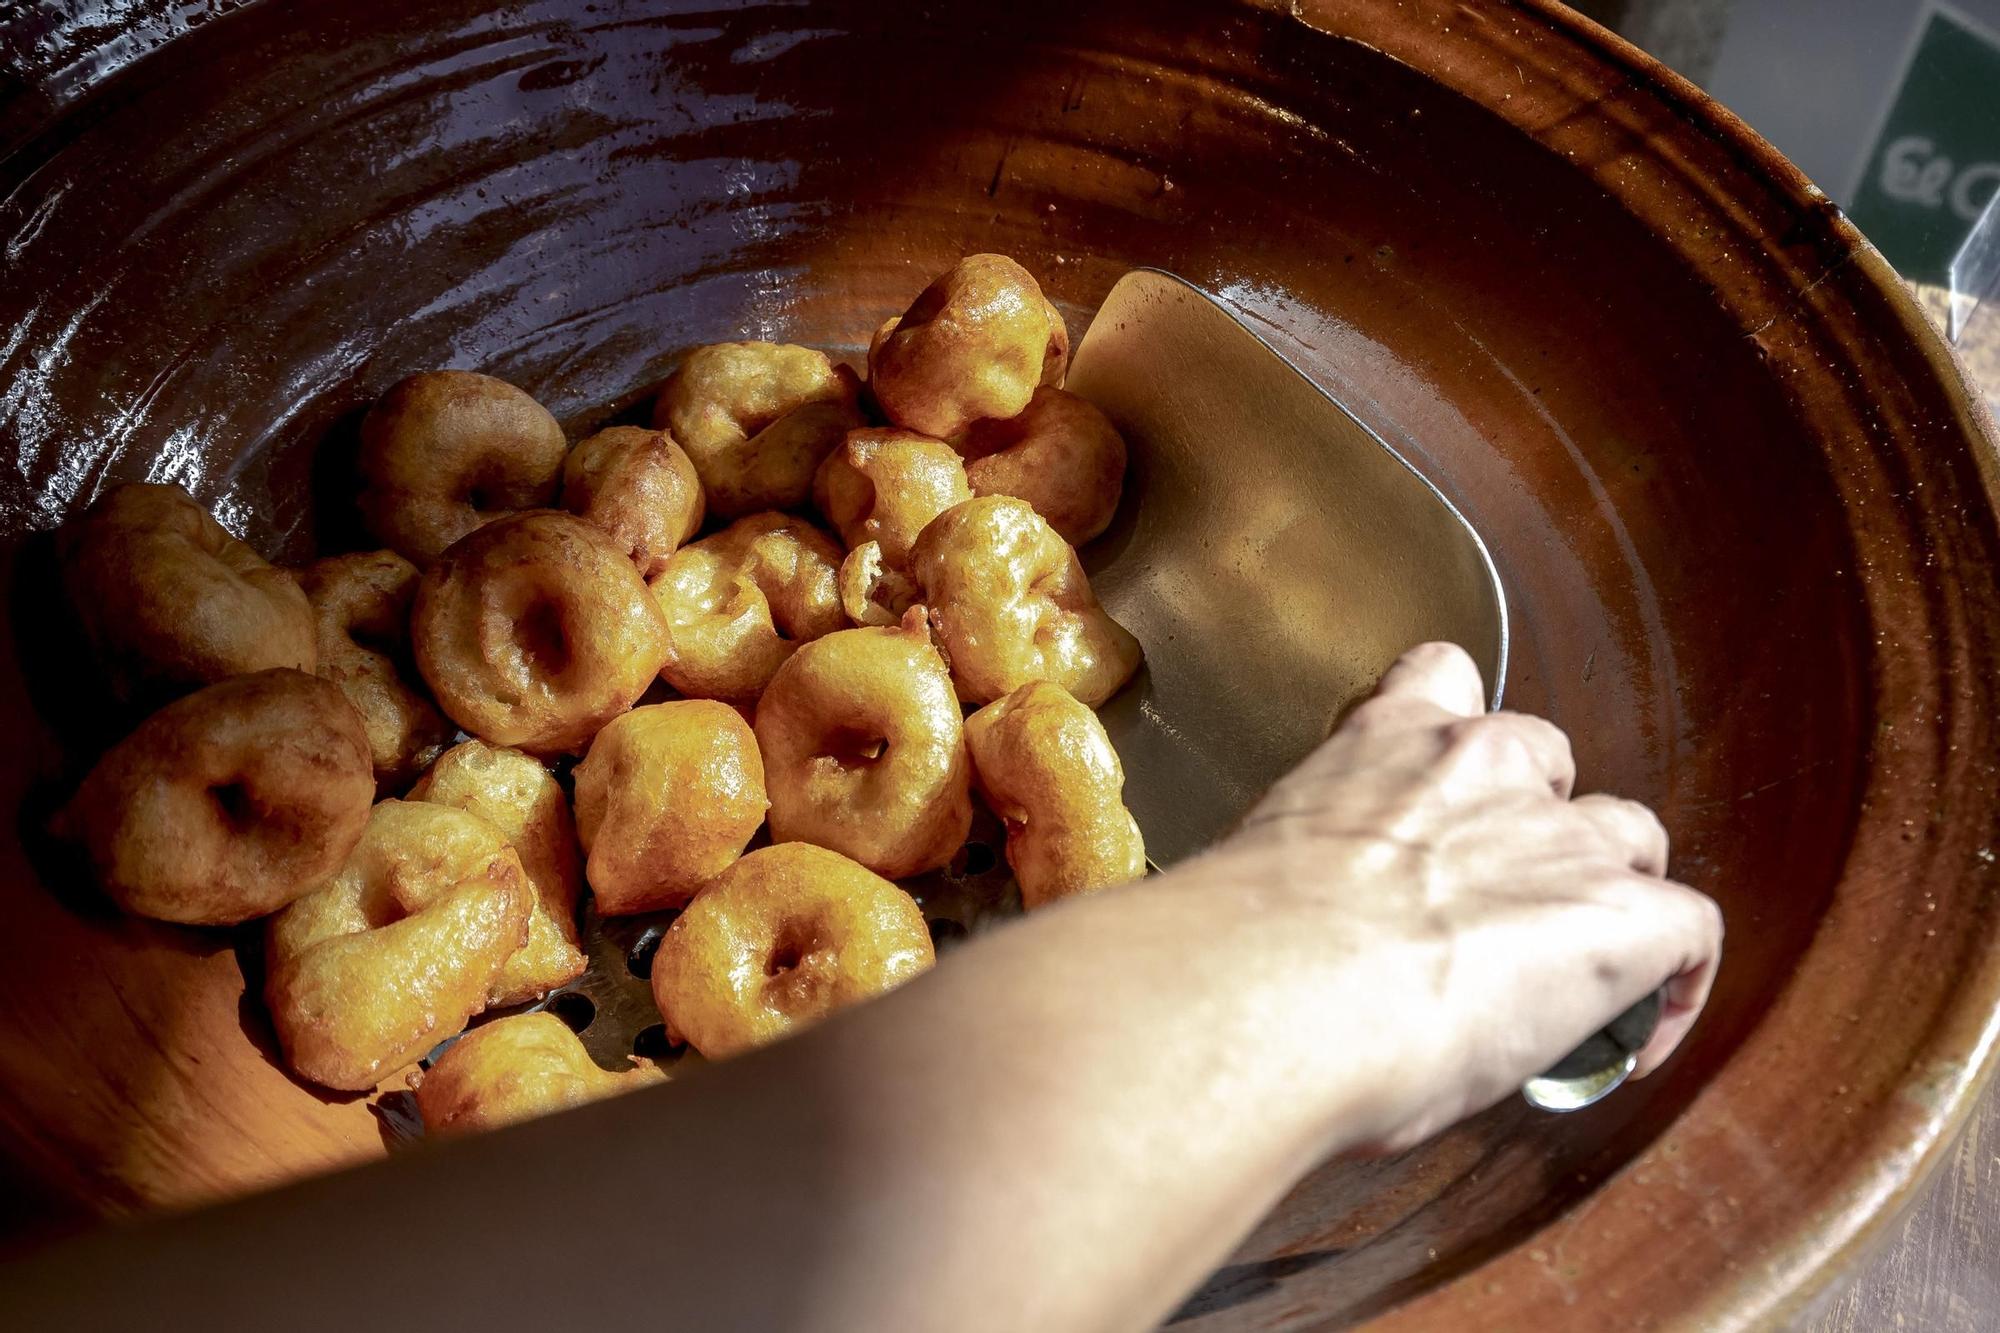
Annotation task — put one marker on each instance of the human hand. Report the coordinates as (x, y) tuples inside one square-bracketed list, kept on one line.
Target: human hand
[(1496, 919)]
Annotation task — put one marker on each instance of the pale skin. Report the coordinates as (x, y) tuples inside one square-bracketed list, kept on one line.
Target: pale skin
[(1067, 1125)]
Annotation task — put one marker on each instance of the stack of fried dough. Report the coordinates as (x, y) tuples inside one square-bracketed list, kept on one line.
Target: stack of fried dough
[(859, 607)]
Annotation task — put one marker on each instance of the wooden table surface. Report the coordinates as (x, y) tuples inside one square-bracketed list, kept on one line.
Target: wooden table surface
[(1938, 1271)]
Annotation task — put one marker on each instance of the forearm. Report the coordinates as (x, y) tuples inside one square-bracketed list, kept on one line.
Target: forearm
[(1064, 1127), (1076, 1122)]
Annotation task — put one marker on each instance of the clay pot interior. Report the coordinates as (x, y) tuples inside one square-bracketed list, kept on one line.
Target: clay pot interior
[(219, 255)]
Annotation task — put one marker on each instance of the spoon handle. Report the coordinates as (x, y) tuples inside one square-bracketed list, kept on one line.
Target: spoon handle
[(1594, 1070)]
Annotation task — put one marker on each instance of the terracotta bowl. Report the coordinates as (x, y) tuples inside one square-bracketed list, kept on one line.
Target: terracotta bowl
[(1739, 493)]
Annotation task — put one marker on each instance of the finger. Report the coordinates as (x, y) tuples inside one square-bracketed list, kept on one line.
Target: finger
[(1441, 673), (1628, 826), (1548, 746), (1507, 751), (1689, 983), (1687, 995)]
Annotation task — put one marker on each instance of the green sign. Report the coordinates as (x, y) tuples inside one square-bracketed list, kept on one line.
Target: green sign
[(1936, 160)]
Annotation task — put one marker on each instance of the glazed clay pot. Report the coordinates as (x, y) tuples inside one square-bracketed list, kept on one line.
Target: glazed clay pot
[(1738, 492)]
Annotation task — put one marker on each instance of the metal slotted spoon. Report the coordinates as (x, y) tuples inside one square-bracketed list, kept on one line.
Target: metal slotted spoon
[(1274, 555), (1281, 557)]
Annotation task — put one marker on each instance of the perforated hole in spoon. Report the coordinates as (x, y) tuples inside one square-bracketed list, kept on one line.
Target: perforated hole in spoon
[(610, 1007), (975, 892)]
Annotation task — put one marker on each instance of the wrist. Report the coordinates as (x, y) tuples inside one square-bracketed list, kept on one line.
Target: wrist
[(1302, 1006), (1339, 1010)]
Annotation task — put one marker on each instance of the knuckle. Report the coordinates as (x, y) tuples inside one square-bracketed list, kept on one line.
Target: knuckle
[(1383, 714), (1628, 819), (1692, 906), (1436, 654), (1539, 734), (1553, 737), (1708, 910), (1640, 816), (1491, 737), (1470, 730), (1369, 716)]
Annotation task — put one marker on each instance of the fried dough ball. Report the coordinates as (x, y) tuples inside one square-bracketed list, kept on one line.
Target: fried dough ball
[(536, 630), (448, 450), (170, 601), (975, 344), (397, 950), (884, 486), (514, 793), (1061, 455), (513, 1069), (756, 419), (668, 796), (780, 940), (1010, 605), (361, 611), (229, 803), (737, 604), (871, 592), (864, 750), (638, 486), (1045, 766)]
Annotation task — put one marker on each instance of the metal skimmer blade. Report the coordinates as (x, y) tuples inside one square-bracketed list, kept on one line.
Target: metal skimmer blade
[(1274, 556)]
